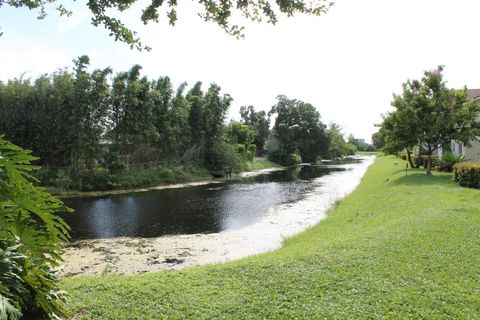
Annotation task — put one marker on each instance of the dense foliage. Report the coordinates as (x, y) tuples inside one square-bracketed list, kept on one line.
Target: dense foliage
[(337, 145), (447, 161), (80, 123), (429, 115), (220, 13), (97, 130), (258, 120), (467, 174), (378, 140), (31, 240), (297, 130)]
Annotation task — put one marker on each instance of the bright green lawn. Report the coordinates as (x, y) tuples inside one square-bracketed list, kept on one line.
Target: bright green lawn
[(259, 163), (406, 248)]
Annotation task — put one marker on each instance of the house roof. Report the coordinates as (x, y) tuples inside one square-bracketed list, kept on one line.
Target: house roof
[(474, 93)]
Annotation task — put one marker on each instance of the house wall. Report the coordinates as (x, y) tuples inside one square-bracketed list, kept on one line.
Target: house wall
[(472, 153)]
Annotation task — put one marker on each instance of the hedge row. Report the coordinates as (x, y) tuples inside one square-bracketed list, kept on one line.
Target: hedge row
[(467, 174)]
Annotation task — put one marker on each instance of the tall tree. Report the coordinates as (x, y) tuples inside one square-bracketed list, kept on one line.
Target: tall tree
[(179, 122), (259, 120), (196, 119), (431, 115), (133, 111), (239, 133), (299, 129), (216, 107), (162, 95), (91, 103), (337, 147), (378, 139)]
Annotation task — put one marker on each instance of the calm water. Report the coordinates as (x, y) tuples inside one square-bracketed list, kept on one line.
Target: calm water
[(200, 209)]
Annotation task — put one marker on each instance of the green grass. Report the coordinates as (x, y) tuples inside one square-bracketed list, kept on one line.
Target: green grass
[(61, 182), (366, 153), (397, 248), (259, 163)]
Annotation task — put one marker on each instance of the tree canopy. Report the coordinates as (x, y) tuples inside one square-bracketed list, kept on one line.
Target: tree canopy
[(429, 115), (69, 118), (299, 130), (258, 120), (220, 12)]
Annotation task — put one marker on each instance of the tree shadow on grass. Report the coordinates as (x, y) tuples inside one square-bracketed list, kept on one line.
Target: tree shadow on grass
[(418, 178)]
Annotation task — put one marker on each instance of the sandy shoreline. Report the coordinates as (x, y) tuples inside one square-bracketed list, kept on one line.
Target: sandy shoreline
[(140, 255)]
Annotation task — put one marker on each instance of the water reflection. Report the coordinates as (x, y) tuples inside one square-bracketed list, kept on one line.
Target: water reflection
[(201, 209)]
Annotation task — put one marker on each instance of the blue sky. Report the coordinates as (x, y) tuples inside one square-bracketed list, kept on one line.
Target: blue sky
[(347, 63)]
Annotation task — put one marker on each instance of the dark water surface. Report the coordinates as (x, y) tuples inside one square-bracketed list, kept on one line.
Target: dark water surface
[(200, 209)]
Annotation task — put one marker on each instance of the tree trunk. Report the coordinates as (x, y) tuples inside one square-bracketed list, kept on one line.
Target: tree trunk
[(409, 158), (429, 163)]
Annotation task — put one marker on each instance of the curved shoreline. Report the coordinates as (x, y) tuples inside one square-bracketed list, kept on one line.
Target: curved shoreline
[(140, 255), (86, 194)]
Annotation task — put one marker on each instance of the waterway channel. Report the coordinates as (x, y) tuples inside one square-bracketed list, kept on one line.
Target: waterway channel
[(215, 222)]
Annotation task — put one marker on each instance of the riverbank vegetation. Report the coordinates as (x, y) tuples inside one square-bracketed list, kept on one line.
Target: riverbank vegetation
[(397, 247), (93, 133)]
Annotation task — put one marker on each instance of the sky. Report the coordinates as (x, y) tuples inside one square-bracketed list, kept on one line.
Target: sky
[(347, 63)]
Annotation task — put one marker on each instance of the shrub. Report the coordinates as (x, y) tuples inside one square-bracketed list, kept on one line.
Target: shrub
[(241, 149), (223, 154), (447, 161), (283, 158), (32, 238), (467, 174), (350, 149), (111, 161), (64, 180)]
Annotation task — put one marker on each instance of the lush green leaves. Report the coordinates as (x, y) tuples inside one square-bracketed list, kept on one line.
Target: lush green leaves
[(259, 120), (467, 174), (430, 115), (298, 129), (337, 146), (219, 12), (32, 237), (238, 133)]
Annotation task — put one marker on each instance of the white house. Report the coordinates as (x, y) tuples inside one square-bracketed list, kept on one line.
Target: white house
[(471, 153)]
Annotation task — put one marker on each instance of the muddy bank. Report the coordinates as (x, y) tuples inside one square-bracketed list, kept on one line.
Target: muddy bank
[(140, 255)]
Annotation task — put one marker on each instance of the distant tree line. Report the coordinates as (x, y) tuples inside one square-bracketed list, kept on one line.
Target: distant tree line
[(67, 118), (85, 120)]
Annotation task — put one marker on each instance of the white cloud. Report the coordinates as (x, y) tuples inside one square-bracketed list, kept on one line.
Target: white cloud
[(31, 62)]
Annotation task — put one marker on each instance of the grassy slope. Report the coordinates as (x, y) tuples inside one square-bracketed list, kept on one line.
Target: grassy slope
[(405, 248), (259, 163)]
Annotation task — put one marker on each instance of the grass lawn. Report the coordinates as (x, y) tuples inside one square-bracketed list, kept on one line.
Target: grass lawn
[(259, 163), (366, 153), (402, 248)]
